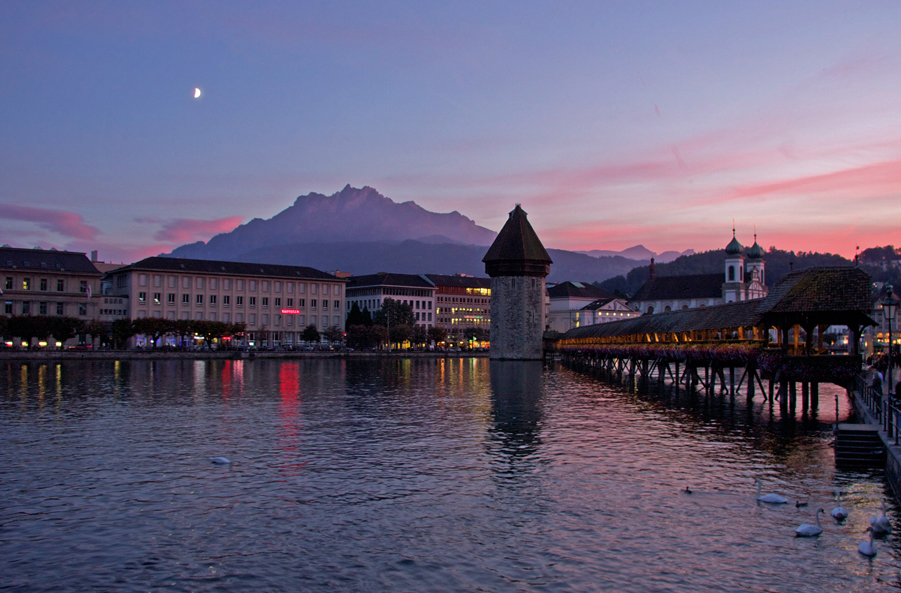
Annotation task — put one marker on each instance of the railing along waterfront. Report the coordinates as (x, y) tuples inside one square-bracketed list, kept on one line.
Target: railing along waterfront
[(886, 411)]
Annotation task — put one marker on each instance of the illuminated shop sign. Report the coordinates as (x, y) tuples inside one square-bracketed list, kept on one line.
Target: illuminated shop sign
[(290, 311)]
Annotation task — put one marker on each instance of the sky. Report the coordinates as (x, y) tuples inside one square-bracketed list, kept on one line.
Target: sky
[(613, 123)]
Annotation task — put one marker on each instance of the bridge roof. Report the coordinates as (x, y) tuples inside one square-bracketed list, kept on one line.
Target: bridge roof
[(816, 292)]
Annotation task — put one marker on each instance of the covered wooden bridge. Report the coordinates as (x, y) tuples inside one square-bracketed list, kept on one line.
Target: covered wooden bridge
[(778, 338)]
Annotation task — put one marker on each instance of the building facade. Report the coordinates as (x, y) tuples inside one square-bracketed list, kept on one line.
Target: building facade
[(370, 291), (517, 264), (461, 302), (574, 304), (49, 283), (275, 302), (743, 278)]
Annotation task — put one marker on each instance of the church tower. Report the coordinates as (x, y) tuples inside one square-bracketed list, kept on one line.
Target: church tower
[(733, 287), (755, 274), (518, 264)]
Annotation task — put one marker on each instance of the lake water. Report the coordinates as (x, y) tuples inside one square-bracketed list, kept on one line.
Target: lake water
[(414, 475)]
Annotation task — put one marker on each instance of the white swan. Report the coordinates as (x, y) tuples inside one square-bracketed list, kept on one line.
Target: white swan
[(867, 548), (838, 513), (770, 498), (881, 525), (220, 460), (810, 530)]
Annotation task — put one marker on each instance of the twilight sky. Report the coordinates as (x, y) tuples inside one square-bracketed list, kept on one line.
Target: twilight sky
[(612, 123)]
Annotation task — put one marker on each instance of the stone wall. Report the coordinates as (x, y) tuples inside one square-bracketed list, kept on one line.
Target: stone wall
[(517, 317)]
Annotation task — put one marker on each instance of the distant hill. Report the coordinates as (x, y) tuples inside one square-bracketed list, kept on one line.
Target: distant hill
[(639, 253), (363, 214), (778, 264)]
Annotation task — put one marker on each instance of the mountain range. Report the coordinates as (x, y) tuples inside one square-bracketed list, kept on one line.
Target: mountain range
[(361, 231)]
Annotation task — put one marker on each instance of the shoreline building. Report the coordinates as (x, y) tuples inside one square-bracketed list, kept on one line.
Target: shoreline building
[(47, 282), (275, 302), (371, 290), (461, 302), (743, 279), (576, 304), (517, 264)]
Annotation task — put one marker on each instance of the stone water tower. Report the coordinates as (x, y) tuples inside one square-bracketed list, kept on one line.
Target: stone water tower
[(518, 264)]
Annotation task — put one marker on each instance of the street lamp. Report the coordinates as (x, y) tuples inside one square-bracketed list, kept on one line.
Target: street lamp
[(889, 310)]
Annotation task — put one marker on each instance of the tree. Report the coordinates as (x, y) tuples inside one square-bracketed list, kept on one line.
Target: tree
[(357, 317), (310, 334), (122, 330), (400, 333), (333, 334), (437, 334), (420, 335), (394, 313), (153, 327), (365, 336)]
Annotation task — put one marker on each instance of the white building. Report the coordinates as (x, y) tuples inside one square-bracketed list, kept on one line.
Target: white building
[(370, 291), (576, 304)]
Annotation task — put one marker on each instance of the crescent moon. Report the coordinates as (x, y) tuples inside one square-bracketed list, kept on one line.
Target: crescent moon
[(196, 93)]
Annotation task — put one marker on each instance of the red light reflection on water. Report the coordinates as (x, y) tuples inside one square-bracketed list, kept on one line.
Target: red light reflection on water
[(289, 413)]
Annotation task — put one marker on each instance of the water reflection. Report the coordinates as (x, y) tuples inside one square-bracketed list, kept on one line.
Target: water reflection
[(516, 400)]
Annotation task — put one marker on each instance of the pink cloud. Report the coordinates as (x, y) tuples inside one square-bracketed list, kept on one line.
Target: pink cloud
[(65, 223), (186, 230)]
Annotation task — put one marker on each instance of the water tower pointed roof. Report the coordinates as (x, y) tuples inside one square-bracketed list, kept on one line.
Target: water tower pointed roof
[(517, 250)]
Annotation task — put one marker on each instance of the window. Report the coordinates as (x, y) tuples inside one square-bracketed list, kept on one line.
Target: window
[(214, 283), (199, 283), (170, 298), (278, 287), (300, 320), (239, 301), (42, 308), (184, 315), (43, 284), (198, 316), (173, 282), (157, 280), (337, 304), (265, 301), (252, 285), (239, 284), (252, 301), (226, 317), (239, 317), (301, 288), (186, 282), (157, 314), (290, 302), (252, 319), (170, 315), (198, 299), (265, 319), (142, 297), (157, 297), (290, 287), (9, 283), (26, 283), (185, 299), (338, 290), (313, 302), (314, 288), (83, 286), (325, 303), (212, 317), (265, 286), (278, 302), (731, 273), (226, 300), (8, 307), (227, 284), (325, 289), (82, 309), (142, 314), (430, 316), (142, 279), (212, 299), (60, 308), (301, 302)]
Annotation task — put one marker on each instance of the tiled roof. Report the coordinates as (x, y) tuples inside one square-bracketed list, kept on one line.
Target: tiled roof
[(823, 291), (389, 279), (578, 290), (517, 241), (202, 266), (595, 305), (459, 281), (46, 259), (697, 286)]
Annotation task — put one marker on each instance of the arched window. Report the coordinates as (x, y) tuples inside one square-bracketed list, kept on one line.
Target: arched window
[(667, 309), (731, 273), (650, 310), (741, 275)]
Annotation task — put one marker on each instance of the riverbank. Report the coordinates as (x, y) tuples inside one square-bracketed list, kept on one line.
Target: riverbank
[(43, 356)]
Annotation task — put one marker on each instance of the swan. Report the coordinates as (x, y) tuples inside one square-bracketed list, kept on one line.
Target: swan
[(220, 460), (770, 498), (881, 525), (867, 548), (838, 513), (810, 530), (687, 490)]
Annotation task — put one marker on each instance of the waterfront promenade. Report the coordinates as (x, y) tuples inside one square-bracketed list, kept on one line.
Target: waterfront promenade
[(163, 354)]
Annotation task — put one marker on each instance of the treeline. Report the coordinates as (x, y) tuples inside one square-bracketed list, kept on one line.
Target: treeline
[(778, 264), (396, 322)]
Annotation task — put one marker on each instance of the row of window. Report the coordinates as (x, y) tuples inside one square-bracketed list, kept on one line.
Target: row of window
[(239, 300), (289, 320), (43, 308), (463, 300), (43, 284), (199, 282)]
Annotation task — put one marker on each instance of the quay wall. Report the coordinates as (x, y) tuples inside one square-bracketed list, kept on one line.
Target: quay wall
[(893, 451), (37, 356)]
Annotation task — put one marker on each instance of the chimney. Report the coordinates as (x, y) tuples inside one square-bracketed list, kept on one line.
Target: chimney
[(94, 255)]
